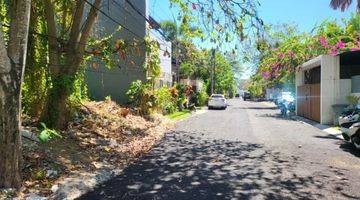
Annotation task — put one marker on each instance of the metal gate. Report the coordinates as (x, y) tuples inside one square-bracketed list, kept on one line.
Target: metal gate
[(308, 101)]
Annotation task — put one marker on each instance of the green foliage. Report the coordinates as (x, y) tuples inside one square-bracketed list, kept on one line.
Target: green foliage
[(40, 174), (47, 134), (165, 100), (287, 50), (353, 100), (201, 98), (108, 98), (142, 97), (354, 23), (179, 115), (170, 29), (152, 65), (218, 21)]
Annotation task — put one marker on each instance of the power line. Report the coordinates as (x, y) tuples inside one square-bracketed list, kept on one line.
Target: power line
[(115, 21), (112, 19), (139, 12), (124, 9), (148, 20)]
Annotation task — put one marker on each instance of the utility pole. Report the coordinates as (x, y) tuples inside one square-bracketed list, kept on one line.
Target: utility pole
[(213, 71), (177, 61)]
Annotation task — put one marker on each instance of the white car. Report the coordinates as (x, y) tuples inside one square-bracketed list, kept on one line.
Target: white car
[(217, 101)]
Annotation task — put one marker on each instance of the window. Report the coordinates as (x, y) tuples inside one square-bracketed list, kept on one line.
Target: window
[(313, 76)]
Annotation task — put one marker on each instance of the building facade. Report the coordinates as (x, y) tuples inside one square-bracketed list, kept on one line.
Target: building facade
[(114, 78)]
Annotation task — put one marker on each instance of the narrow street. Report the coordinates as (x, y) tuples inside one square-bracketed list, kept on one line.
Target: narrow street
[(244, 152)]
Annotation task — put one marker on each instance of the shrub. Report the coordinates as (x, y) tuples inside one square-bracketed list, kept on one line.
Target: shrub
[(353, 101), (201, 98), (141, 96), (166, 100)]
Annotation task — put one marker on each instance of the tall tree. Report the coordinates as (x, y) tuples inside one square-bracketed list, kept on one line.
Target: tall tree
[(12, 65), (66, 54), (344, 4)]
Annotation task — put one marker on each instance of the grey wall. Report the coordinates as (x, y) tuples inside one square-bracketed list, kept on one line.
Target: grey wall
[(114, 82)]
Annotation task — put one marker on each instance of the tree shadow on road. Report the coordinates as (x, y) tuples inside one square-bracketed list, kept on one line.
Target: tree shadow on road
[(183, 166), (256, 108), (348, 147), (277, 116)]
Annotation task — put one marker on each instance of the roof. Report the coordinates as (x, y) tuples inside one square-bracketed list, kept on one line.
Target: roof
[(315, 62), (348, 56)]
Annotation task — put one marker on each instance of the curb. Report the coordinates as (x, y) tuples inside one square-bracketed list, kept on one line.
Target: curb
[(325, 128), (81, 183), (193, 114)]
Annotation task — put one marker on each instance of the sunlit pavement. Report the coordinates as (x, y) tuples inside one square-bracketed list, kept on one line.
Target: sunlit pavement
[(245, 152)]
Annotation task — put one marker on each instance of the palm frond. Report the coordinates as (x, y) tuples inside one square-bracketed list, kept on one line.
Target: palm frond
[(342, 4)]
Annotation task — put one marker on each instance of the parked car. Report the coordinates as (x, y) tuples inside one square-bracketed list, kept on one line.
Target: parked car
[(237, 95), (217, 101), (246, 96)]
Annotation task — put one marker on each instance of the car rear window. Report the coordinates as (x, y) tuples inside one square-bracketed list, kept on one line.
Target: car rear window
[(217, 96)]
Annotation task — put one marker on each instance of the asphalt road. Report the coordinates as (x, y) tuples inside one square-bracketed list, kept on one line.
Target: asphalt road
[(244, 152)]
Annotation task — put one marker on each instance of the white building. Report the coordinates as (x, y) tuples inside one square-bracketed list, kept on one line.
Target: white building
[(324, 83)]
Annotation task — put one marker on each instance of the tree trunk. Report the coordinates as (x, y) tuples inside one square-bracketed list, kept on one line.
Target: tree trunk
[(12, 65), (57, 112)]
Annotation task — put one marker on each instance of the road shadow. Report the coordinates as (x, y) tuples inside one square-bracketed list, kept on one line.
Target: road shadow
[(185, 166), (277, 116), (256, 108), (350, 148)]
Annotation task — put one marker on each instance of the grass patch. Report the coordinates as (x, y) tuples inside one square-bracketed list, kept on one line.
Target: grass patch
[(179, 115)]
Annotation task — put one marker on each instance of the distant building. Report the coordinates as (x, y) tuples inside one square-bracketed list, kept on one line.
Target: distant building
[(165, 78), (196, 84)]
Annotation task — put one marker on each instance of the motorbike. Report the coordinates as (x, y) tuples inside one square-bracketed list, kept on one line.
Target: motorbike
[(286, 107), (286, 104), (350, 127)]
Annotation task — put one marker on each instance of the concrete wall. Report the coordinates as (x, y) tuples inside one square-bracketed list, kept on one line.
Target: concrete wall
[(330, 86), (115, 82), (299, 81), (345, 90)]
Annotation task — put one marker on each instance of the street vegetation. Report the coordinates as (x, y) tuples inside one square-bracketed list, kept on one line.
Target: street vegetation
[(50, 126), (283, 49), (47, 47)]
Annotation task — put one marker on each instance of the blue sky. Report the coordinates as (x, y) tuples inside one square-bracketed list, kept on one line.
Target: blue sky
[(304, 13)]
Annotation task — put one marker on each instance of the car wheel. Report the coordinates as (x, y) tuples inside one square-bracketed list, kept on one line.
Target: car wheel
[(209, 107)]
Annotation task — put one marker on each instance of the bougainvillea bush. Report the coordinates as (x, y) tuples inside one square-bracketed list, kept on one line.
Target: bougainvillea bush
[(278, 64)]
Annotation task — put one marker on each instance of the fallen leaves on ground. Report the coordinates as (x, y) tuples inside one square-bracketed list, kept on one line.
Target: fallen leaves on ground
[(101, 132)]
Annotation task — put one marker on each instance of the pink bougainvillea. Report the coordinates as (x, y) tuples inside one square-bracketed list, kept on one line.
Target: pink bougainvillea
[(324, 42), (291, 54), (341, 45), (266, 75), (334, 52), (281, 55)]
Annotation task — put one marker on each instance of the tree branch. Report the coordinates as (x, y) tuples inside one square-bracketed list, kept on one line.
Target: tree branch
[(89, 24), (78, 16), (52, 36)]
